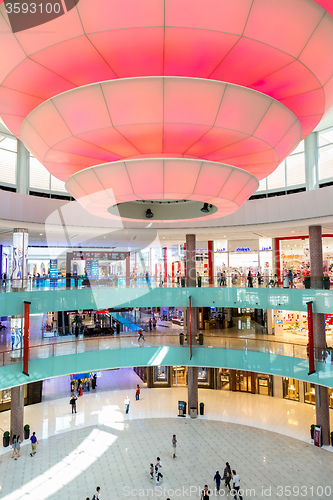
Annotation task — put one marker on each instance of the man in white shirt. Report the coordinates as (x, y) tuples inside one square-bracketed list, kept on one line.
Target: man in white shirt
[(127, 404), (159, 466), (96, 496), (236, 485)]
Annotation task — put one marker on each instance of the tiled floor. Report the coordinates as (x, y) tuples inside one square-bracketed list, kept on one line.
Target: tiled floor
[(101, 445)]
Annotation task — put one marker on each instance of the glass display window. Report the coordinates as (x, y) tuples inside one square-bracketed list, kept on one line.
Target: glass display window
[(160, 374), (290, 388), (330, 397), (225, 379), (5, 395), (203, 375), (264, 384), (309, 393)]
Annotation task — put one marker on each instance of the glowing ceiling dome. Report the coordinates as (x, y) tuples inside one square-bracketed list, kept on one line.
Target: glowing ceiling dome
[(280, 48)]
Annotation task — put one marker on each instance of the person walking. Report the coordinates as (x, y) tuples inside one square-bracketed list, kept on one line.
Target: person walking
[(205, 493), (127, 404), (73, 402), (141, 336), (236, 485), (227, 475), (250, 280), (137, 393), (96, 495), (14, 443), (174, 445), (18, 447), (217, 479), (158, 476), (159, 466), (34, 443), (152, 469)]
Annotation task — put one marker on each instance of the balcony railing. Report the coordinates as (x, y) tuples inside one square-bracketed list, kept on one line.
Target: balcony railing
[(65, 347), (120, 281)]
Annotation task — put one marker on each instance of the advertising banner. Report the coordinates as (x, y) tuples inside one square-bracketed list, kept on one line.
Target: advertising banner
[(53, 271), (20, 259), (16, 336)]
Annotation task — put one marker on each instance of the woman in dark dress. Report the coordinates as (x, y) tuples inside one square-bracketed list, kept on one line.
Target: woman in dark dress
[(227, 475)]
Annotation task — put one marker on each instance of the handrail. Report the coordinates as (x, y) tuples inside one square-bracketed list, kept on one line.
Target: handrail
[(233, 280), (80, 345)]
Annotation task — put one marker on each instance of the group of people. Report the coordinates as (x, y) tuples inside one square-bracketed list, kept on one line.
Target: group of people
[(228, 476), (155, 471), (16, 445), (92, 382)]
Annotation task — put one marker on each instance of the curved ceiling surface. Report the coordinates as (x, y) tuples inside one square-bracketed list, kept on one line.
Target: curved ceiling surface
[(237, 83), (287, 56), (161, 116)]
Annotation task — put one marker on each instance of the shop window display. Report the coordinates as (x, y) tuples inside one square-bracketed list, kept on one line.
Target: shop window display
[(330, 397), (160, 374), (203, 376), (264, 384), (5, 396), (290, 389), (309, 393), (225, 379)]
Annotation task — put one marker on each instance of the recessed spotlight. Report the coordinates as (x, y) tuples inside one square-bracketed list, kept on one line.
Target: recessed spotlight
[(40, 234)]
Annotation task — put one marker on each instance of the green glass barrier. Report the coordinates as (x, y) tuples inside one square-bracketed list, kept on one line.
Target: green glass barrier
[(103, 298), (95, 360)]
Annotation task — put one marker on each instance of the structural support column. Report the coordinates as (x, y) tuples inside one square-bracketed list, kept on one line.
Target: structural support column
[(192, 320), (319, 334), (165, 264), (128, 269), (311, 161), (69, 258), (17, 411), (22, 168)]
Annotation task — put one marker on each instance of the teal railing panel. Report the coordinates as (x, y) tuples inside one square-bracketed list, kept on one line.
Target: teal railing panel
[(284, 366), (101, 298)]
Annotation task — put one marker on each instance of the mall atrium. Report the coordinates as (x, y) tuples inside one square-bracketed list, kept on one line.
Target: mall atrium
[(166, 249)]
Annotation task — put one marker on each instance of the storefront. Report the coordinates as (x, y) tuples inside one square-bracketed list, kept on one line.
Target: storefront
[(294, 254), (32, 394), (242, 381), (290, 389), (243, 255), (176, 376), (290, 322)]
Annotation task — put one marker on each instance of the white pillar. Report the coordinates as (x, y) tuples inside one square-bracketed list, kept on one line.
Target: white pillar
[(311, 161), (22, 168)]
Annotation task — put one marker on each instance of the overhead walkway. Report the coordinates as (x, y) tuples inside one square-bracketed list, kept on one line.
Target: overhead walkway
[(147, 296), (94, 354)]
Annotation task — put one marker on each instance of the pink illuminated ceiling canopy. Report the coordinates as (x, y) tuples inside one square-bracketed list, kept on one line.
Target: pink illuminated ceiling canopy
[(279, 47), (118, 97), (101, 188), (161, 116)]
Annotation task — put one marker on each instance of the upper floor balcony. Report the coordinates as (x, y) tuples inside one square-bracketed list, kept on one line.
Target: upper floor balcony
[(81, 293)]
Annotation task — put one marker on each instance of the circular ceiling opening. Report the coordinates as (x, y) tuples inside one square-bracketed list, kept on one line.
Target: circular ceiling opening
[(157, 210)]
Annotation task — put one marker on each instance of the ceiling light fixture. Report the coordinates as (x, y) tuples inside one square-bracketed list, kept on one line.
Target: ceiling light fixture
[(149, 214), (205, 208)]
